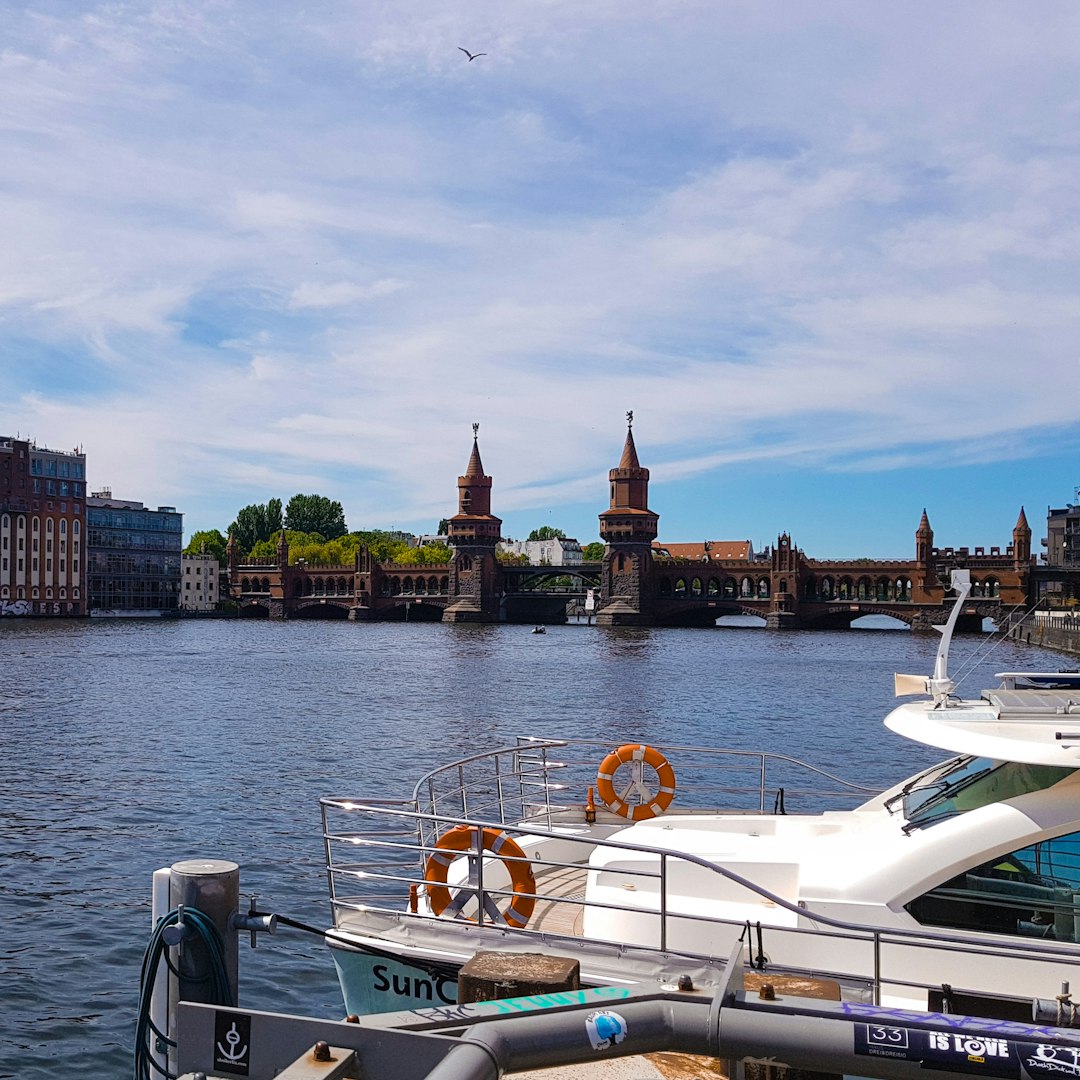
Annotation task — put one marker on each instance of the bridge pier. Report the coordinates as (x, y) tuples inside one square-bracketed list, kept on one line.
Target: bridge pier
[(782, 620), (620, 613)]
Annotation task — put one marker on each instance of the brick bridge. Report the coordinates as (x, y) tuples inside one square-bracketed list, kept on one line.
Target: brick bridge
[(637, 583)]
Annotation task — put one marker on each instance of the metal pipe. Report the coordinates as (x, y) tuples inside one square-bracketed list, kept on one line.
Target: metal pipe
[(211, 886), (160, 1007), (663, 902)]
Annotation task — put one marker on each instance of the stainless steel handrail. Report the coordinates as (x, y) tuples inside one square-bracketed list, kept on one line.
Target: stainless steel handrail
[(845, 930)]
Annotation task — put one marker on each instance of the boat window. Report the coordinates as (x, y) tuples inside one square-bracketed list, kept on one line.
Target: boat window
[(967, 783), (1031, 892)]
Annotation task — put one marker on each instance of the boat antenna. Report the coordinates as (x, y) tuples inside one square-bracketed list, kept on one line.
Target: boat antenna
[(940, 685)]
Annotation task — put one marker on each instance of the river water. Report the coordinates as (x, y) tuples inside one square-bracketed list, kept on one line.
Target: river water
[(128, 745)]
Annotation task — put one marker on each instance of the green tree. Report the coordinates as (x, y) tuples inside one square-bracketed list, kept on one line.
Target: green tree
[(264, 549), (425, 555), (384, 546), (209, 540), (546, 532), (444, 527), (256, 523), (316, 514), (508, 558), (593, 552)]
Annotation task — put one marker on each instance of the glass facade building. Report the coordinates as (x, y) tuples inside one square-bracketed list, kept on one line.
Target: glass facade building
[(133, 556)]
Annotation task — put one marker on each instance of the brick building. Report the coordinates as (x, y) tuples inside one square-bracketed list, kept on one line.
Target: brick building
[(42, 514)]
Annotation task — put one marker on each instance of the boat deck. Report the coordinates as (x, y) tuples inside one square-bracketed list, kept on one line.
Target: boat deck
[(561, 908)]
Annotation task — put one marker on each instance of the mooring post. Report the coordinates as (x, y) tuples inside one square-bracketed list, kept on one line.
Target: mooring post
[(211, 886)]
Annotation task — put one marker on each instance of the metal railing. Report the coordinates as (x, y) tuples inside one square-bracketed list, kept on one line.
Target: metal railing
[(533, 778), (377, 854), (390, 873)]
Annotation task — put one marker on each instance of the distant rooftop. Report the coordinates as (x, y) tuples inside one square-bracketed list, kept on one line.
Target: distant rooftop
[(708, 550)]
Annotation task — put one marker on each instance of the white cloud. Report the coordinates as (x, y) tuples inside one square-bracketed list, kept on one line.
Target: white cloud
[(782, 235), (310, 294)]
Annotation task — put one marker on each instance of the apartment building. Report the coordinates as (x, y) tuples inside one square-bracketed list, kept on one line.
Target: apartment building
[(42, 530)]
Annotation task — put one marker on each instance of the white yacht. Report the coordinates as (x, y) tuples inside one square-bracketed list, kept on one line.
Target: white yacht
[(955, 890)]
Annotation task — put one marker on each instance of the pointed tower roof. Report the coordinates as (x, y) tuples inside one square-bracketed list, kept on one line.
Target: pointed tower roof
[(1022, 521), (629, 459), (924, 523), (475, 466)]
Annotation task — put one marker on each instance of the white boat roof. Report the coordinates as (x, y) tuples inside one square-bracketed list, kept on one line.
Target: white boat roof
[(1036, 726)]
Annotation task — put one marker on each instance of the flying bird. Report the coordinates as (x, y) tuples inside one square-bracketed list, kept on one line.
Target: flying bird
[(471, 56)]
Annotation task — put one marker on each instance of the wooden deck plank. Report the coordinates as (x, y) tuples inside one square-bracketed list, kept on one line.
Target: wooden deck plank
[(554, 915)]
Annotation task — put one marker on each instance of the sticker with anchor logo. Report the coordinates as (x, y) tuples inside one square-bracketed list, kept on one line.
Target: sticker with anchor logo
[(232, 1042)]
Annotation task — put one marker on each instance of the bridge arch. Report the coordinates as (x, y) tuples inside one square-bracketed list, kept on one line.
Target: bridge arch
[(327, 608), (837, 616)]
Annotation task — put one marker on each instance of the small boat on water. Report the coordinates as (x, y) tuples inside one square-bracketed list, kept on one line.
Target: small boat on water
[(957, 889), (539, 629)]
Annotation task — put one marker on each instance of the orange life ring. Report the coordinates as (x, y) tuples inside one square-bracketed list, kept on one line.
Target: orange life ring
[(630, 754), (461, 839)]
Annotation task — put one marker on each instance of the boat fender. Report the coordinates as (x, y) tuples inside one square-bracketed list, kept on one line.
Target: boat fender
[(626, 755), (462, 838)]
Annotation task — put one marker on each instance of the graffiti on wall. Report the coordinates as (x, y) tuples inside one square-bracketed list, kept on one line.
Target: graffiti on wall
[(26, 607)]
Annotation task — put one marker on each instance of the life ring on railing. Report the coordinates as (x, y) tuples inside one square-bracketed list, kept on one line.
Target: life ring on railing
[(649, 805), (461, 839)]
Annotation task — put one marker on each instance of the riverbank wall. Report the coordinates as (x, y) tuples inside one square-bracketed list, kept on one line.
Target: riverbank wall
[(1051, 630)]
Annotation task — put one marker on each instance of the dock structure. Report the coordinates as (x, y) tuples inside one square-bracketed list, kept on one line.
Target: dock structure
[(722, 1014), (600, 1026)]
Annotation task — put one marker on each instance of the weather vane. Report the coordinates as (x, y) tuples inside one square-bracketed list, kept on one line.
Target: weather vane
[(630, 418), (475, 429)]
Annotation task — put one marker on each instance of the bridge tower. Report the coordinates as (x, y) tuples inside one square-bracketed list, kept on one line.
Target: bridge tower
[(1022, 542), (474, 535), (785, 585), (628, 527)]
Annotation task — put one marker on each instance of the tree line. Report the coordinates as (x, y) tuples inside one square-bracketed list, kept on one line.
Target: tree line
[(316, 532)]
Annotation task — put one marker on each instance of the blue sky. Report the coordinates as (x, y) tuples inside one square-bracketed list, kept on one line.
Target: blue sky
[(826, 252)]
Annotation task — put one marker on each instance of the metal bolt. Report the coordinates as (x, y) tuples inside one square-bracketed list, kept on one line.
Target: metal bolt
[(685, 982), (352, 1018), (767, 992), (322, 1051)]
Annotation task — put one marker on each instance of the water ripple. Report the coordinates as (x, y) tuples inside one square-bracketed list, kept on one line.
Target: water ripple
[(129, 747)]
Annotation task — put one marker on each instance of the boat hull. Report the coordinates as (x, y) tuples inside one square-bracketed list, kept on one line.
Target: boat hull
[(376, 984)]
